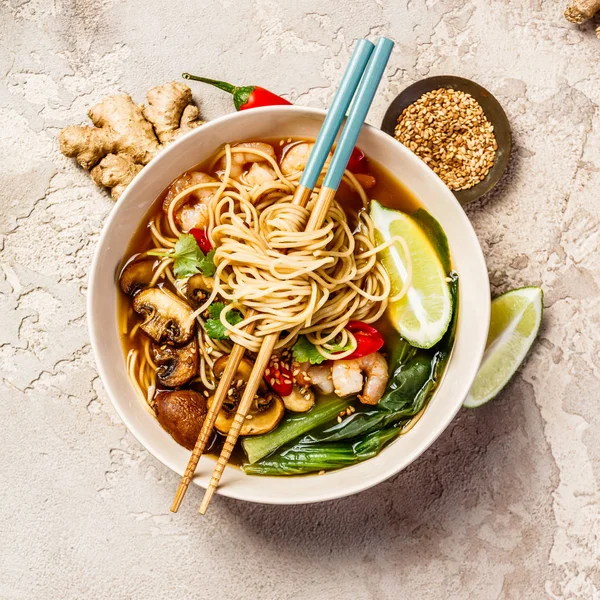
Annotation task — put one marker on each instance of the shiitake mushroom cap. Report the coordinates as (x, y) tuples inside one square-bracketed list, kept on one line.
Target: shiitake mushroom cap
[(181, 413)]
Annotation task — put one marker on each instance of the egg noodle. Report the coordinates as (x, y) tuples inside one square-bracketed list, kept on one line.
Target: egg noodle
[(295, 282)]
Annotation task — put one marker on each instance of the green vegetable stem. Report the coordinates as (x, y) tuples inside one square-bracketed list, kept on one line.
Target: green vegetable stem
[(292, 427), (309, 458)]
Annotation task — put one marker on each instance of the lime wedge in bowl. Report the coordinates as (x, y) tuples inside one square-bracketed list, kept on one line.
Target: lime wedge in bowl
[(515, 321), (436, 235), (423, 314)]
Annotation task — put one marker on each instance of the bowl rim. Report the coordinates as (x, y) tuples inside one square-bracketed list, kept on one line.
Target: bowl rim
[(96, 331)]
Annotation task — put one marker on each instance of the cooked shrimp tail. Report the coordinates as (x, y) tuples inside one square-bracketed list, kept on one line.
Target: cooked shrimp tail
[(347, 377)]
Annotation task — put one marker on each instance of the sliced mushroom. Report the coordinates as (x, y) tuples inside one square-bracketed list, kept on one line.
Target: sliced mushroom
[(300, 400), (168, 319), (242, 374), (137, 275), (199, 288), (176, 365), (181, 413), (264, 415)]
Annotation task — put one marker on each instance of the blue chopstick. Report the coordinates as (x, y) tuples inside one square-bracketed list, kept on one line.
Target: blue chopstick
[(336, 113), (358, 112)]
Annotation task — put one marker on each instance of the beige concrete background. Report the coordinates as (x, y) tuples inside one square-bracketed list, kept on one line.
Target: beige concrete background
[(506, 504)]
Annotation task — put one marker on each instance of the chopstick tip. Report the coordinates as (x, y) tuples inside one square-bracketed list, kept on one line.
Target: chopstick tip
[(210, 490)]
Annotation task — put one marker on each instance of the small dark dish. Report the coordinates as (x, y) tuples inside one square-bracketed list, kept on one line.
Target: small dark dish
[(492, 109)]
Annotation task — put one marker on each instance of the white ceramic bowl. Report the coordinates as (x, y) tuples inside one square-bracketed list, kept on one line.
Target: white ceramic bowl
[(282, 121)]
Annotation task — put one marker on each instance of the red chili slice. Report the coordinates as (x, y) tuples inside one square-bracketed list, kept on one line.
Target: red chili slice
[(358, 161), (279, 376), (355, 326), (202, 239), (368, 339)]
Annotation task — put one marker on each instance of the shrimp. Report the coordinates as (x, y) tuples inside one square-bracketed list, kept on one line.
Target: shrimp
[(260, 173), (320, 377), (194, 210), (239, 160), (295, 159), (347, 376)]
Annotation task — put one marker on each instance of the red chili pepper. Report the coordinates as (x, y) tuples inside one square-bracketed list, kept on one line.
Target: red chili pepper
[(202, 239), (368, 339), (279, 376), (250, 96), (357, 162)]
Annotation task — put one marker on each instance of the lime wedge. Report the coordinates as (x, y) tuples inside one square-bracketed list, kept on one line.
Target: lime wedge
[(423, 314), (433, 230), (515, 322)]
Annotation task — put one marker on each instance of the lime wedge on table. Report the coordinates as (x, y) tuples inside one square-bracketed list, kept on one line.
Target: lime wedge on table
[(423, 314), (515, 322)]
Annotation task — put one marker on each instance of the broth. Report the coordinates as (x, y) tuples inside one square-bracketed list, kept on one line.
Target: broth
[(388, 190)]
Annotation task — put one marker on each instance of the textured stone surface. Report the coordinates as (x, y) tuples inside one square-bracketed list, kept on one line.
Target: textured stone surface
[(506, 504)]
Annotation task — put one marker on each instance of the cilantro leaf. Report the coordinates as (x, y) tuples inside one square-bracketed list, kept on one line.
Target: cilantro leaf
[(188, 258), (215, 309), (214, 328), (303, 350), (207, 264)]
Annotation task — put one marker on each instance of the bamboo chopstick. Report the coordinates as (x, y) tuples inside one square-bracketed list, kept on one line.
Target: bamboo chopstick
[(356, 117), (262, 361), (329, 130)]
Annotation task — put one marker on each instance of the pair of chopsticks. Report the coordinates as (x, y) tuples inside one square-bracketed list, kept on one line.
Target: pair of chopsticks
[(359, 84)]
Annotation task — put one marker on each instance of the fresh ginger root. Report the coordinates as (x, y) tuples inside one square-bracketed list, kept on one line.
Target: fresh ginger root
[(126, 136), (579, 11)]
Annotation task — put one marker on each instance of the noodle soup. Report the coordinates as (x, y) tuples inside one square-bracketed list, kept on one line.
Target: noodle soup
[(222, 258)]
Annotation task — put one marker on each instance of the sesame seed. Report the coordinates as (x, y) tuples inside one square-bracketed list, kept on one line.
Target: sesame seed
[(321, 473), (449, 131), (339, 419)]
